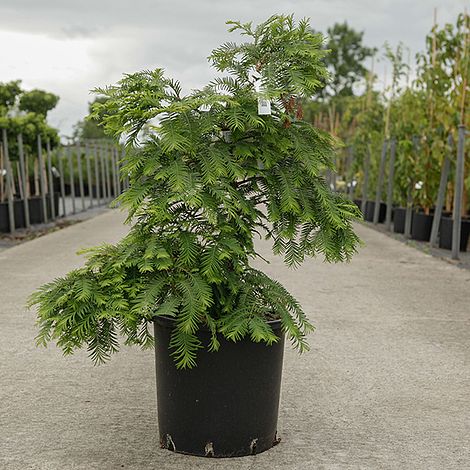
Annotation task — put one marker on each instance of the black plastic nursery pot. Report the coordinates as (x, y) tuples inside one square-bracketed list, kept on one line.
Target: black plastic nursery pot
[(36, 215), (226, 406), (369, 213), (18, 210), (421, 226), (399, 216), (445, 233)]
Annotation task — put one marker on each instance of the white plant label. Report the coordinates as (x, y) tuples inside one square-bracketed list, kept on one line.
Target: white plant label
[(227, 136), (264, 107)]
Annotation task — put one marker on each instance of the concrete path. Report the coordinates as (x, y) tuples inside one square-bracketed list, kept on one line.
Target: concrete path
[(386, 384)]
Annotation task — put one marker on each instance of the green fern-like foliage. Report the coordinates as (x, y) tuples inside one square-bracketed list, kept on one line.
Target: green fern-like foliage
[(209, 176)]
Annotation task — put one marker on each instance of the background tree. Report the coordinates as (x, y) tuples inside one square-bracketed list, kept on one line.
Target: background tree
[(25, 112), (346, 59), (89, 128), (443, 78), (8, 94), (345, 64), (37, 101)]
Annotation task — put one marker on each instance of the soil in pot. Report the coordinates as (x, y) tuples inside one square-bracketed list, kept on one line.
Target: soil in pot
[(369, 214), (445, 231), (421, 226), (399, 216), (226, 406)]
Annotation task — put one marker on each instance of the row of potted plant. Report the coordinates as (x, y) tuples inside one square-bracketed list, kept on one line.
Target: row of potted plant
[(420, 116)]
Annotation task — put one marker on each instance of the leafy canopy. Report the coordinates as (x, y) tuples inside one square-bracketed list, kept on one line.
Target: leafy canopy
[(345, 60), (210, 175), (25, 112), (89, 128), (38, 101)]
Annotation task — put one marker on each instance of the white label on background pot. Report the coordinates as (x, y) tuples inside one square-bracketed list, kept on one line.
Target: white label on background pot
[(264, 107)]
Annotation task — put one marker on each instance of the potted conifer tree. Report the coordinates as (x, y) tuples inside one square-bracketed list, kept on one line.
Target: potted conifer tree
[(208, 171)]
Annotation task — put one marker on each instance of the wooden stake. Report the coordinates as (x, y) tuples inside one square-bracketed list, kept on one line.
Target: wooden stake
[(434, 45), (43, 180), (25, 178), (36, 178), (2, 194), (11, 212), (441, 193), (50, 179), (464, 81), (409, 69), (26, 169), (20, 180)]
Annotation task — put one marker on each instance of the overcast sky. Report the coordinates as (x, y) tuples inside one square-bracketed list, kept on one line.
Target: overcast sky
[(70, 46)]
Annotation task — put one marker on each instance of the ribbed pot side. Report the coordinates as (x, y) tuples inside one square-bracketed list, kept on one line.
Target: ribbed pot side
[(227, 406)]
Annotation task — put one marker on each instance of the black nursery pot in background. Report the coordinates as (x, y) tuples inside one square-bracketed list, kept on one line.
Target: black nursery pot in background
[(18, 210), (228, 404), (369, 214), (421, 226), (445, 233), (36, 213), (399, 216)]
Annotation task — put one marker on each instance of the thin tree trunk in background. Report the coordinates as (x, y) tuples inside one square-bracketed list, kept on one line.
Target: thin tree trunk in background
[(43, 180), (50, 178), (440, 199), (12, 179), (350, 173), (60, 155), (88, 174), (409, 210), (20, 180), (11, 212), (36, 178), (2, 193), (118, 172), (365, 186), (449, 196), (71, 177), (465, 194), (26, 169), (378, 192), (459, 189), (391, 175), (103, 176), (25, 177), (80, 175), (97, 174)]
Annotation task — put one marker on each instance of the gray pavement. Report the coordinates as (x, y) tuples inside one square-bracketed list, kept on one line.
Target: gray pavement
[(21, 235), (386, 384), (446, 255)]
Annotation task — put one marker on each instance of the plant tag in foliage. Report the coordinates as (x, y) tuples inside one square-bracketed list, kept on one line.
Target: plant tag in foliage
[(264, 107), (227, 136)]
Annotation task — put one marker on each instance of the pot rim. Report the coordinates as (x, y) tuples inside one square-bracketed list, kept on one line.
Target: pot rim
[(464, 219), (168, 322)]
